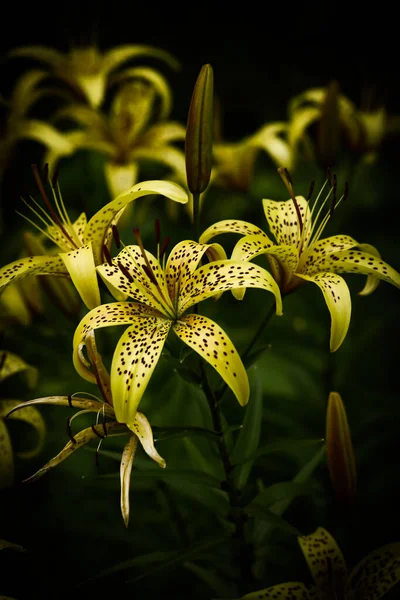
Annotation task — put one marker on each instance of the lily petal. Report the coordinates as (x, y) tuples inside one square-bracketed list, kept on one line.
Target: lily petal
[(82, 269), (7, 458), (294, 590), (12, 364), (106, 315), (337, 298), (81, 439), (250, 246), (14, 306), (212, 343), (231, 226), (377, 573), (52, 57), (125, 475), (141, 427), (29, 415), (269, 138), (319, 256), (32, 265), (98, 226), (325, 561), (141, 287), (222, 275), (120, 177), (283, 220), (116, 56), (75, 402), (134, 360), (372, 281), (183, 261), (355, 261)]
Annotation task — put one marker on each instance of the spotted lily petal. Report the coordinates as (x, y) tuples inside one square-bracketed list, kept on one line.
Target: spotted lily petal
[(140, 286), (223, 275), (98, 226), (29, 415), (141, 427), (212, 343), (337, 298), (183, 261), (376, 574), (75, 402), (320, 256), (294, 590), (372, 281), (134, 360), (125, 475), (231, 226), (284, 223), (32, 265), (82, 269), (325, 561), (106, 315), (81, 439)]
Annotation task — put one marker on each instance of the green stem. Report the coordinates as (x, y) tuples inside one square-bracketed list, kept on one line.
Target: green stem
[(259, 331), (241, 551), (196, 215)]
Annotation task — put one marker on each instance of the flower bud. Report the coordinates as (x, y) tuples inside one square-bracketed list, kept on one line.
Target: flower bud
[(339, 451), (199, 132)]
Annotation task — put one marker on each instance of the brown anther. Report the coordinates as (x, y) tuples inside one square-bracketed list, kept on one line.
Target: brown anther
[(164, 246), (107, 255), (287, 180), (157, 230), (311, 190), (70, 401), (69, 431), (116, 237), (97, 433), (149, 273), (125, 271)]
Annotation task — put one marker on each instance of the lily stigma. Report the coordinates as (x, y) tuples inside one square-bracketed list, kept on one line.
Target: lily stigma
[(162, 291), (300, 254), (80, 243)]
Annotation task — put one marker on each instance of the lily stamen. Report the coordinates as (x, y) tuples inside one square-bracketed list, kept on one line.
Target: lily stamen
[(69, 429), (125, 272), (164, 246), (107, 255), (287, 180), (116, 237)]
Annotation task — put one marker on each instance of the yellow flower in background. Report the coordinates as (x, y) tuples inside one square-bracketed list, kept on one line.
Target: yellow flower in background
[(135, 130), (160, 297), (371, 578), (11, 364), (80, 244), (86, 70), (139, 429), (300, 254), (364, 129)]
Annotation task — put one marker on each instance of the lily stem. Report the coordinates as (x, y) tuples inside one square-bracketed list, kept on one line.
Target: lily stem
[(196, 216), (241, 551)]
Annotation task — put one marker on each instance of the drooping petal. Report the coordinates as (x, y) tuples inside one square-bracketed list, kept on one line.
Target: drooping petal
[(183, 261), (141, 287), (166, 155), (141, 427), (231, 226), (29, 415), (294, 590), (161, 134), (250, 246), (284, 223), (212, 343), (81, 438), (98, 226), (325, 561), (32, 265), (76, 402), (372, 281), (82, 269), (116, 56), (120, 177), (223, 275), (337, 298), (11, 364), (125, 475), (44, 133), (14, 306), (6, 458), (355, 261), (273, 139), (134, 360), (106, 315), (25, 92), (376, 574), (312, 258)]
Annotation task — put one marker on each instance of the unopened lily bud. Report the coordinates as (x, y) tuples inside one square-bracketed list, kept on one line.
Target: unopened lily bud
[(199, 132), (339, 451), (329, 127)]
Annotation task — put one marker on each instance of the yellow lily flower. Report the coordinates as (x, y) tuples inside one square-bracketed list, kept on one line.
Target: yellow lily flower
[(300, 255), (370, 579), (139, 428), (129, 134), (86, 70), (11, 364), (363, 128), (161, 296), (81, 243)]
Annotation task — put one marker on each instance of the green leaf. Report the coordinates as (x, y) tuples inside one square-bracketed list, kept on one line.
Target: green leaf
[(285, 490), (139, 561), (249, 436), (264, 514), (168, 474), (211, 578), (163, 433), (255, 355), (281, 445)]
